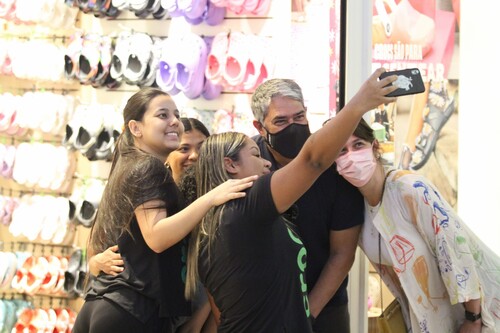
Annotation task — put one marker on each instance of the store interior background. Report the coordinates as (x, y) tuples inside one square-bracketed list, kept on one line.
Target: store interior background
[(479, 116), (300, 46), (478, 176)]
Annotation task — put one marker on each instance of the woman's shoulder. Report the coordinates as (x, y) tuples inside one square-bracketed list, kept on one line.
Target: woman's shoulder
[(142, 166), (258, 201), (409, 182), (145, 162), (405, 177)]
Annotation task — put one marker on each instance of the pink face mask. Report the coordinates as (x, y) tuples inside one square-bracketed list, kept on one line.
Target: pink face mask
[(357, 167)]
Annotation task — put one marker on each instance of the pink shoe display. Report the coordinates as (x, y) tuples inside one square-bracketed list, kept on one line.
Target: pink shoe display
[(245, 7), (238, 61), (237, 65), (216, 60)]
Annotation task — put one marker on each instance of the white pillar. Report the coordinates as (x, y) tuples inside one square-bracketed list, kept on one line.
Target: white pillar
[(358, 68), (479, 120)]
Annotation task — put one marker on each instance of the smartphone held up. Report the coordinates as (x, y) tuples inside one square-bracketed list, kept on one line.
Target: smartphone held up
[(409, 82)]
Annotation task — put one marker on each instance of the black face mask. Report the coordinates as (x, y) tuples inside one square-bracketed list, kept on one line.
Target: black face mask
[(289, 141)]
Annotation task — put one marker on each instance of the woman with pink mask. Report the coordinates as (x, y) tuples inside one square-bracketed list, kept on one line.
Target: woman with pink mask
[(444, 277)]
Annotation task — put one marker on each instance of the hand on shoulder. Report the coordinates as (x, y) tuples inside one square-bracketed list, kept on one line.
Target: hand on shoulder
[(230, 189)]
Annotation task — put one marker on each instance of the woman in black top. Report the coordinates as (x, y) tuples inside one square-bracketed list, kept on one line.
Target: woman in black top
[(245, 252), (140, 212)]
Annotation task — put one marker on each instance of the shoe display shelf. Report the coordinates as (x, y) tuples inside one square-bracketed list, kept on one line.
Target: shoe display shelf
[(38, 271)]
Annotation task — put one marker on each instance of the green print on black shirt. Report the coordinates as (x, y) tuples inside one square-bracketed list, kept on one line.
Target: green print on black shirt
[(301, 263)]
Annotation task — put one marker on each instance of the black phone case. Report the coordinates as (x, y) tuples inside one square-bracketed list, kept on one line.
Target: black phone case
[(409, 82)]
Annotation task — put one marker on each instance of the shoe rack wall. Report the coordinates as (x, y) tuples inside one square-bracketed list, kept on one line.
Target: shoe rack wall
[(12, 189), (275, 25)]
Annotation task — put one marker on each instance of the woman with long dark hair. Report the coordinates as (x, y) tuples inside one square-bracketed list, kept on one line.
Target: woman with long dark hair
[(140, 211)]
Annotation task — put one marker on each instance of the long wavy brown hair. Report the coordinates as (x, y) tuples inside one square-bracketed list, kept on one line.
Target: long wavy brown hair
[(116, 210)]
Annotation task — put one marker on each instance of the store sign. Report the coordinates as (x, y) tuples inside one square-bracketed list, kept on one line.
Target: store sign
[(413, 34)]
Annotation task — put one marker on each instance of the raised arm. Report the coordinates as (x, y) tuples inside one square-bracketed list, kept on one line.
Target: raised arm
[(161, 231), (322, 147)]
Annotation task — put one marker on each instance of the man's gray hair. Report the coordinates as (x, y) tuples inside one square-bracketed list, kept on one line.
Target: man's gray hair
[(261, 98)]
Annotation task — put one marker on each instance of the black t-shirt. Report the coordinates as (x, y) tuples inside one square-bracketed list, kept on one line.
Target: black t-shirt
[(255, 267), (151, 283), (331, 203)]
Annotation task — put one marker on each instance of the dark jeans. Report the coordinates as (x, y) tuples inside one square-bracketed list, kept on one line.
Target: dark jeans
[(333, 319)]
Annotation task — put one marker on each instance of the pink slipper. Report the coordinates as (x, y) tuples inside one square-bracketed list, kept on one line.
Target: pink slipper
[(216, 60), (6, 67), (6, 8), (255, 61), (23, 320), (262, 8), (51, 320), (63, 320), (236, 6), (39, 321), (8, 110), (20, 279), (250, 5), (35, 276), (50, 280), (237, 59), (267, 66)]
